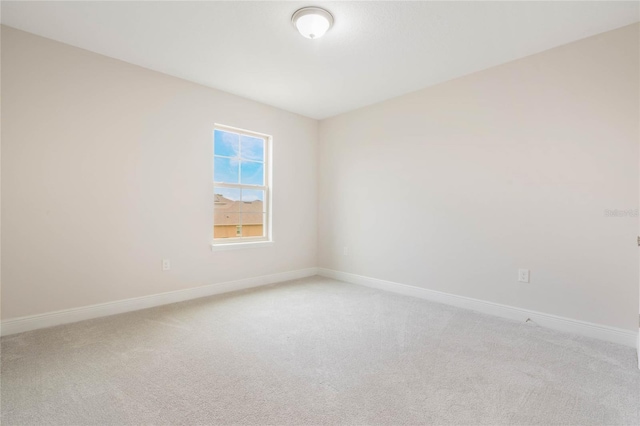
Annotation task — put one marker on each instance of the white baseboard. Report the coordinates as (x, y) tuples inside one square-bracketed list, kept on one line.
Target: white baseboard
[(50, 319), (638, 349), (596, 331)]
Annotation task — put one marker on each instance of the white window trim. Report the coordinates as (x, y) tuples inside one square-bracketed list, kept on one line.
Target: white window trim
[(242, 245), (249, 242)]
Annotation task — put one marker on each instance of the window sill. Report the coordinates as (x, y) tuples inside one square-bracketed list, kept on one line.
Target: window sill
[(240, 246)]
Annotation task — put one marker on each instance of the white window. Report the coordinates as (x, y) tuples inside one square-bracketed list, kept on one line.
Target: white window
[(240, 186)]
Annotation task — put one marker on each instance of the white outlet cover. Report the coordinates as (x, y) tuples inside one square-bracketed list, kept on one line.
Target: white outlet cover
[(166, 264), (523, 275)]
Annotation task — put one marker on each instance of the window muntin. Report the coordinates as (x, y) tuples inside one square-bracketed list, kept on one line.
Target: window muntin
[(240, 186)]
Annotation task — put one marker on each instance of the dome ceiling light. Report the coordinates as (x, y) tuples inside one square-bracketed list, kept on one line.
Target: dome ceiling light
[(312, 22)]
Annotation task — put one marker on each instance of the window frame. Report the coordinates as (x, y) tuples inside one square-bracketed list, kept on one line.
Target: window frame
[(240, 242)]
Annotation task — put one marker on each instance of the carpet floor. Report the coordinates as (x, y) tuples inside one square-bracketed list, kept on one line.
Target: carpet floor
[(313, 351)]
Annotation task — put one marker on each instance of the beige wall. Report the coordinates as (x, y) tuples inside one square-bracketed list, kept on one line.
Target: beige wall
[(508, 168), (107, 169)]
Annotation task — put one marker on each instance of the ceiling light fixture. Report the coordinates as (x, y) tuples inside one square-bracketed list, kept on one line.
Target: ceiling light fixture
[(312, 22)]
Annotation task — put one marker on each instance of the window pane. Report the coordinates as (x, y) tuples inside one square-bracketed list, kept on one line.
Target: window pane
[(226, 195), (226, 225), (253, 209), (225, 170), (252, 173), (226, 213), (253, 224), (225, 219), (252, 148), (225, 143), (253, 195)]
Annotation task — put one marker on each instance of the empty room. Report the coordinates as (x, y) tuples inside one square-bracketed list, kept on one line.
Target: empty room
[(319, 213)]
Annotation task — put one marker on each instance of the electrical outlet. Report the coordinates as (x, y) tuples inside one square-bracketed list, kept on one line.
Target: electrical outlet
[(166, 264), (345, 251), (523, 275)]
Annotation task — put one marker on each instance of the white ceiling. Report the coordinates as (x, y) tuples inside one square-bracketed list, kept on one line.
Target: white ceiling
[(375, 51)]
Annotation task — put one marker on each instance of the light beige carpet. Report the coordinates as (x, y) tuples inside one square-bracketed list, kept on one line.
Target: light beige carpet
[(314, 351)]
